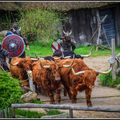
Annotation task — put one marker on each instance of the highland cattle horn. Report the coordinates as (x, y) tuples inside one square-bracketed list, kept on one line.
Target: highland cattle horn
[(84, 56), (105, 72), (46, 66), (67, 33)]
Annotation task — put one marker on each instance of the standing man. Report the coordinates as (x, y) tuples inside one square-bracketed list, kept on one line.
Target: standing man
[(17, 30), (66, 43)]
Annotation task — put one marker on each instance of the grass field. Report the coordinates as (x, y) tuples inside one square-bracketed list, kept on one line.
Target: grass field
[(40, 49), (45, 50)]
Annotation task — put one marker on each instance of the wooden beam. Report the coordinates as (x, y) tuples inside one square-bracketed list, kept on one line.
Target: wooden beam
[(66, 106), (31, 85), (113, 56), (99, 30)]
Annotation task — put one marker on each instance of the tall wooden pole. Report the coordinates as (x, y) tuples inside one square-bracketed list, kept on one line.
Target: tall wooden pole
[(99, 30), (113, 56)]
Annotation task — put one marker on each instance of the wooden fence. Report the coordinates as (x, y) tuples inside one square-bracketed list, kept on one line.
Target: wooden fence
[(69, 107), (114, 60), (6, 113)]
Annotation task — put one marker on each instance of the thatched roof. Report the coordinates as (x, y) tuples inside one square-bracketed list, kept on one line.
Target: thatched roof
[(60, 6)]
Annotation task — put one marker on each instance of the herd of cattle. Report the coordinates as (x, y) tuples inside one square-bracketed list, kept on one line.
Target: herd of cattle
[(51, 76)]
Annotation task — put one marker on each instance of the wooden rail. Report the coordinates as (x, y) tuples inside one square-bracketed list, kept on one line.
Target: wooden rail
[(69, 107)]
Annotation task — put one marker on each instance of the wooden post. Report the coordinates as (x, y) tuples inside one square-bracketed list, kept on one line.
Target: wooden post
[(113, 56), (31, 85), (70, 113), (99, 29), (13, 112)]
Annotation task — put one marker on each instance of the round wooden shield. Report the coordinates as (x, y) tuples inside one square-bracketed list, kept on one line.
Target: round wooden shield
[(14, 44)]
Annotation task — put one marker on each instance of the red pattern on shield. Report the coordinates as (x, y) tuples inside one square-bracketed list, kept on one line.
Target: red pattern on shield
[(14, 44)]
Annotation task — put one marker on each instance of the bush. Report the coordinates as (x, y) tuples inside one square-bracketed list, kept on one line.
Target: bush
[(10, 90), (106, 80), (39, 24)]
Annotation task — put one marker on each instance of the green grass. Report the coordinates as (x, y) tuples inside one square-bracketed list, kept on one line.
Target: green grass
[(41, 49), (100, 52), (34, 114), (106, 80), (37, 48), (28, 114), (53, 112), (37, 101)]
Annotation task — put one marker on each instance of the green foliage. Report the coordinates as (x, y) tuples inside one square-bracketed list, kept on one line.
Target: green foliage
[(53, 112), (40, 49), (7, 18), (1, 38), (37, 101), (10, 90), (106, 80), (101, 52), (34, 114), (36, 48), (29, 114), (42, 24)]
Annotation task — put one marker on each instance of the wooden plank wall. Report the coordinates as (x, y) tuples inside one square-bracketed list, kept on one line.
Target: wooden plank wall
[(117, 24), (83, 22)]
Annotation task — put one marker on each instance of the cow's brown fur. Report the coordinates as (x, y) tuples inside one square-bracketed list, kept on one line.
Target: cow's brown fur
[(19, 70), (47, 79), (74, 83)]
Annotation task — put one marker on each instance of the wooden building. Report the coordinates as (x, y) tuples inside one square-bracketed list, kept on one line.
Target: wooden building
[(82, 16), (85, 22)]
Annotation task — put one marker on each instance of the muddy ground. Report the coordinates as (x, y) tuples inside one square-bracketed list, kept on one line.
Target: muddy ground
[(101, 96)]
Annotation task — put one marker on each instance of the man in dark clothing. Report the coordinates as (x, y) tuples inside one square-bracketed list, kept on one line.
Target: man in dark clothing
[(67, 43), (3, 55), (16, 30), (68, 46)]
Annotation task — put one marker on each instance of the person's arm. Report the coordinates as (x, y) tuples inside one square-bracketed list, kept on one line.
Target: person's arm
[(26, 43), (73, 45), (5, 53)]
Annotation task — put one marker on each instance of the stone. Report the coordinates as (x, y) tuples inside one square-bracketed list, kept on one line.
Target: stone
[(29, 96)]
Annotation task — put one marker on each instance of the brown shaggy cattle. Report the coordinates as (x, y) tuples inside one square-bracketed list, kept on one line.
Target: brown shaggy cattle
[(18, 71), (77, 76), (46, 76), (18, 68)]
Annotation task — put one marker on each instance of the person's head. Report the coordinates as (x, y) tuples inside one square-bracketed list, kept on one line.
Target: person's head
[(15, 28)]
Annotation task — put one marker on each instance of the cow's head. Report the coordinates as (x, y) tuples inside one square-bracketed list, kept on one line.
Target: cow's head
[(25, 63), (52, 69), (55, 71)]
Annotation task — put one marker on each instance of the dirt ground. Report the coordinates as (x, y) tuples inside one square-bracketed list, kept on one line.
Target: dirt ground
[(101, 96)]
